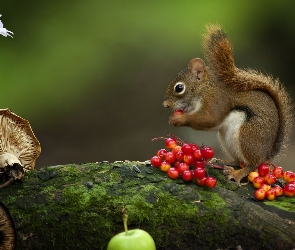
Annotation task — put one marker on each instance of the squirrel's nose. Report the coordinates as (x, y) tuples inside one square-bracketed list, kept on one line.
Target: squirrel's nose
[(166, 104)]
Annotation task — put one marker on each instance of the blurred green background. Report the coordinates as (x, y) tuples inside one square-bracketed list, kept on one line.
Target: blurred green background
[(90, 76)]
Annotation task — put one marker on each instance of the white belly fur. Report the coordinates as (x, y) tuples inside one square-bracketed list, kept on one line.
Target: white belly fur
[(228, 134)]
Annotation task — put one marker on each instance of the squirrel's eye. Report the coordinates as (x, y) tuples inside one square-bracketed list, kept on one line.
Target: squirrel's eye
[(179, 88)]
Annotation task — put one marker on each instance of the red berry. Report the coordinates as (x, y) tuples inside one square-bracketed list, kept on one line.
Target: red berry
[(194, 146), (162, 153), (198, 163), (252, 176), (170, 157), (289, 176), (278, 172), (199, 172), (179, 155), (210, 182), (178, 112), (156, 161), (165, 166), (170, 143), (176, 164), (201, 182), (187, 175), (270, 179), (289, 190), (259, 194), (207, 152), (271, 194), (183, 166), (279, 190), (198, 154), (189, 159), (173, 173), (263, 169), (186, 149), (265, 187), (176, 149), (258, 182)]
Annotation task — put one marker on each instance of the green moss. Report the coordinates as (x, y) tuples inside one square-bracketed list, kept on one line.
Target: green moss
[(47, 189), (211, 199), (284, 203), (115, 177)]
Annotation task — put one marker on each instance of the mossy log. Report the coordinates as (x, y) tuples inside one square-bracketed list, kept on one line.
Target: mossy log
[(79, 206)]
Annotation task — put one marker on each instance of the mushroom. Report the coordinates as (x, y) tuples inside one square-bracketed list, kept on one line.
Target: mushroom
[(19, 148), (7, 229)]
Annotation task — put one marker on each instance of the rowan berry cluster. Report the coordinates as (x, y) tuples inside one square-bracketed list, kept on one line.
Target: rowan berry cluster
[(271, 183), (185, 160)]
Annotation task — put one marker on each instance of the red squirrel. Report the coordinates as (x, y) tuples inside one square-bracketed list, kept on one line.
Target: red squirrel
[(252, 112)]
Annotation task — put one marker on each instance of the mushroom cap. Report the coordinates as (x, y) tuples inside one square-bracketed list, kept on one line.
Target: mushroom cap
[(17, 138), (7, 229)]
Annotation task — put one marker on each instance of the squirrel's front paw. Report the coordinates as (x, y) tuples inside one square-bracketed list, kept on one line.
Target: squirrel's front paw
[(177, 120)]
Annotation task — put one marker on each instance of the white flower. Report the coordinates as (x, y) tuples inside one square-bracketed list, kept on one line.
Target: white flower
[(3, 31)]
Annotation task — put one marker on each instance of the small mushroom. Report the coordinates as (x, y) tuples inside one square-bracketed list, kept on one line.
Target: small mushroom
[(7, 229), (19, 148)]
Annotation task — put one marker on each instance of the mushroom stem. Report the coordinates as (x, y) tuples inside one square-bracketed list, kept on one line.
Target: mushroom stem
[(8, 183)]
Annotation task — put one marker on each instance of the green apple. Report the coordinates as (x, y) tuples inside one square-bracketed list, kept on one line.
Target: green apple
[(135, 239)]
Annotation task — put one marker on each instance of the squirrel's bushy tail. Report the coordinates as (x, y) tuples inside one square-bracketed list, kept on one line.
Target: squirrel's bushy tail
[(219, 53), (219, 57)]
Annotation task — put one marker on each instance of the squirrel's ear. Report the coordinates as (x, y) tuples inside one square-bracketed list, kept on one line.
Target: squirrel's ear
[(197, 67)]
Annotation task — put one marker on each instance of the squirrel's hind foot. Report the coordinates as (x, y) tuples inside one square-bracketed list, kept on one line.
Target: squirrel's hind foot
[(235, 175)]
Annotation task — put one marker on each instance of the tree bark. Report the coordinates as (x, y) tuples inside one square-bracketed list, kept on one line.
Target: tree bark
[(79, 206)]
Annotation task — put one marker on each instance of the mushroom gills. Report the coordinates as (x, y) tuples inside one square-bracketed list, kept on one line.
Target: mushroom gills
[(7, 229)]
